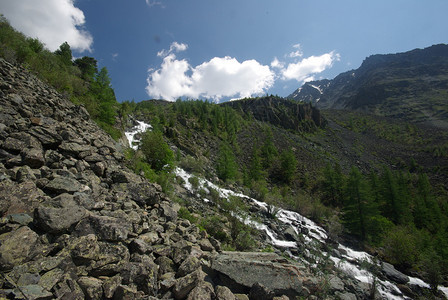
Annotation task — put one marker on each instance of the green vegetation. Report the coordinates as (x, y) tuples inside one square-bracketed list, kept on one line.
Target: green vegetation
[(78, 80), (394, 210), (156, 151)]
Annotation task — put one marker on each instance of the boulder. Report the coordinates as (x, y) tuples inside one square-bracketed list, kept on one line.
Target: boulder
[(249, 268), (92, 287), (49, 138), (17, 247), (188, 266), (62, 184), (104, 227), (110, 285), (203, 291), (59, 214), (291, 235), (391, 273), (184, 285), (224, 293), (33, 157), (19, 198), (32, 291)]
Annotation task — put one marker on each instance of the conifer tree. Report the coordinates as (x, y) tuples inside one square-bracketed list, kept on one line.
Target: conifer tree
[(359, 208), (333, 185), (226, 167)]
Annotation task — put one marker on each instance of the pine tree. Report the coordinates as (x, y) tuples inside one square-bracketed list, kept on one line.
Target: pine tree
[(226, 167), (255, 169), (333, 185), (359, 208), (288, 166)]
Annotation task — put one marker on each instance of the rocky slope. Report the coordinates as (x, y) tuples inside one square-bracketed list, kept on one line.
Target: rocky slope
[(77, 224), (412, 86)]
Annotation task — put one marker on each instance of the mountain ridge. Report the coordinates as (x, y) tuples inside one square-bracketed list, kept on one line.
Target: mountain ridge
[(411, 86)]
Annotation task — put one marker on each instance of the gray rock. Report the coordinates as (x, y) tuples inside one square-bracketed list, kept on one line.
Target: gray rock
[(22, 219), (248, 268), (291, 235), (51, 278), (64, 185), (142, 275), (28, 278), (99, 168), (139, 246), (110, 285), (112, 259), (204, 291), (32, 291), (59, 214), (33, 157), (17, 247), (104, 227), (336, 284), (346, 296), (224, 293), (188, 266), (124, 292), (168, 211), (206, 245), (185, 284), (74, 148), (49, 138), (167, 281), (394, 275), (92, 287), (13, 145), (166, 265)]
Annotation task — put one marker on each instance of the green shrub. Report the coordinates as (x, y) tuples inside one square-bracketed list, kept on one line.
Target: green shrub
[(184, 213), (157, 152)]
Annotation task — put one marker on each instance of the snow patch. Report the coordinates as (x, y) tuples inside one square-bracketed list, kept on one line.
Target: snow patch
[(317, 88)]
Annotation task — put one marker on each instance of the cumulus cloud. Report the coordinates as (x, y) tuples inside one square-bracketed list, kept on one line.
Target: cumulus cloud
[(217, 78), (305, 69), (53, 22)]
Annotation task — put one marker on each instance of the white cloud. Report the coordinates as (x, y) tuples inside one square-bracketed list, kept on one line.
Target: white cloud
[(297, 53), (52, 21), (216, 78), (154, 3), (277, 64), (307, 67), (174, 47)]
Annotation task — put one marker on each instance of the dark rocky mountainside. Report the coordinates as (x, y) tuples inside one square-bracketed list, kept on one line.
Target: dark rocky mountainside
[(411, 86), (281, 112)]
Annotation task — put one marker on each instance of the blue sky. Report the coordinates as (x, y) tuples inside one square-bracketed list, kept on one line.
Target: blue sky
[(228, 49)]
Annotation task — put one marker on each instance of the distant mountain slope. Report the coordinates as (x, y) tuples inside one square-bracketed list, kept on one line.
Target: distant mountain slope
[(412, 86)]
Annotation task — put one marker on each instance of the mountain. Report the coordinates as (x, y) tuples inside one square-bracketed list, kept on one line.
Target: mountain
[(411, 86)]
